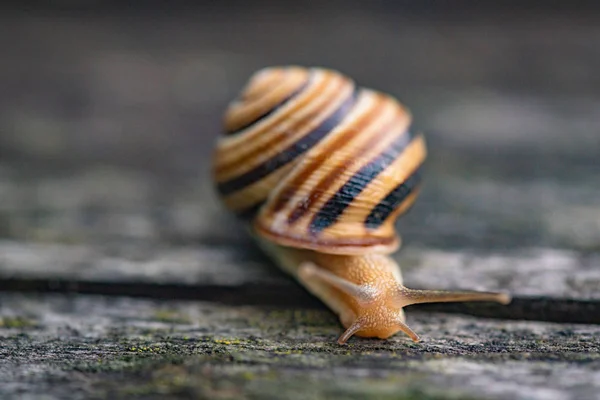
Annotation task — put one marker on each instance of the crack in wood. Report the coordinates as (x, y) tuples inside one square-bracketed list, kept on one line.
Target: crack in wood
[(531, 308)]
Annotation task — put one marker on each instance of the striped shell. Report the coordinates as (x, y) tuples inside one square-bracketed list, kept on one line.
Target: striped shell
[(315, 162)]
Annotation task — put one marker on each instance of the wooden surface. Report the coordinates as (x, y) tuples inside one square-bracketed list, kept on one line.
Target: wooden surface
[(75, 346), (121, 275)]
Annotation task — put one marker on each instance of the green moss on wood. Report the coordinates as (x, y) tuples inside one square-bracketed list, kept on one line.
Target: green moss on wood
[(17, 322), (172, 316)]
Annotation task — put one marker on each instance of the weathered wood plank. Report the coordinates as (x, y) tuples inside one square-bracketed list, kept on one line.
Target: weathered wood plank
[(57, 346), (462, 206), (100, 226), (546, 284), (543, 272)]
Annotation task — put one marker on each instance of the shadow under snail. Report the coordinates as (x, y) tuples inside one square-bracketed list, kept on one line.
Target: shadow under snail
[(320, 170)]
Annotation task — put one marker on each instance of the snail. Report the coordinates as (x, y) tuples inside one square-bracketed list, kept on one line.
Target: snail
[(319, 170)]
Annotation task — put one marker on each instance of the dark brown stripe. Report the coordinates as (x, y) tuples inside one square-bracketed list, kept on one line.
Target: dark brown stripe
[(393, 200), (272, 110), (291, 153), (318, 191), (316, 163), (276, 139), (335, 206)]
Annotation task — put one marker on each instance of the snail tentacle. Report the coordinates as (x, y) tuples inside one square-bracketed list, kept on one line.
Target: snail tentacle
[(348, 333), (363, 294), (406, 296)]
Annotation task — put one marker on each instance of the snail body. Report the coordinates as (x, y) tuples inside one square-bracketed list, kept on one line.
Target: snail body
[(320, 170)]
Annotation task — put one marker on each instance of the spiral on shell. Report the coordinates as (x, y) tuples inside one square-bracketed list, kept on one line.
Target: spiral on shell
[(315, 162)]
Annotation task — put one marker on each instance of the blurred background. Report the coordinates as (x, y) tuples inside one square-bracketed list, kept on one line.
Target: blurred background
[(109, 110)]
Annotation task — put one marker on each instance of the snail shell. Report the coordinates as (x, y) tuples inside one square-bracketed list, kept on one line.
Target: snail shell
[(315, 162)]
